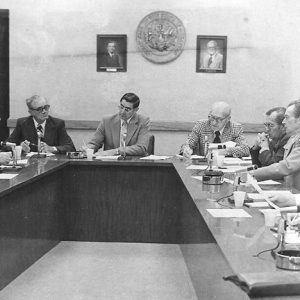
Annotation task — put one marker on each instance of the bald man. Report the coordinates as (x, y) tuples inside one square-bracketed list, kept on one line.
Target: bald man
[(217, 128), (213, 59)]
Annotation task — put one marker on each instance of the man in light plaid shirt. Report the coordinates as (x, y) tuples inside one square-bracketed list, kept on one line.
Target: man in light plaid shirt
[(218, 121)]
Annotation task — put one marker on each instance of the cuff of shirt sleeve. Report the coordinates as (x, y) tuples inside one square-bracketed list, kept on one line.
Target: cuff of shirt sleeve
[(297, 199)]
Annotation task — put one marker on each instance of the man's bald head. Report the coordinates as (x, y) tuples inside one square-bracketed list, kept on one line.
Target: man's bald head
[(221, 109)]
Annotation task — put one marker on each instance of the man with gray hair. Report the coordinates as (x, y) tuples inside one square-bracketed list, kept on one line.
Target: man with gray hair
[(289, 166), (213, 59), (218, 128), (54, 135), (269, 145)]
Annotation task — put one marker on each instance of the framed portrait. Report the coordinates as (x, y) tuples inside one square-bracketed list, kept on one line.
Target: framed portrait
[(111, 53), (211, 54)]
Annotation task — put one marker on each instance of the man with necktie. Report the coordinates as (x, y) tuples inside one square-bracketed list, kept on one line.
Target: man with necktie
[(126, 122), (218, 128), (212, 59), (52, 131)]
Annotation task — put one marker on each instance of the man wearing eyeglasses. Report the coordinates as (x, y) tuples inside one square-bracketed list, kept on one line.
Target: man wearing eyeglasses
[(53, 133), (127, 120), (218, 128), (269, 145), (289, 167)]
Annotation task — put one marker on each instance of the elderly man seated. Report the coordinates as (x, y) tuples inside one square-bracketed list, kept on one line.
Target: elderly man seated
[(218, 128)]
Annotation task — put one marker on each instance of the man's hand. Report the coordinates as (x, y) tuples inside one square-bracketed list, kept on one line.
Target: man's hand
[(25, 146), (46, 148), (187, 151), (5, 157), (282, 199)]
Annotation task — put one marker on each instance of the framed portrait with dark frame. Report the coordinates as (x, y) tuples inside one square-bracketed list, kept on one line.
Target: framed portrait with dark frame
[(111, 53), (211, 54)]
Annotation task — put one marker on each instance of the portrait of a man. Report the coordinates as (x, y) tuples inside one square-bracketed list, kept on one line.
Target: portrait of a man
[(211, 54), (111, 53)]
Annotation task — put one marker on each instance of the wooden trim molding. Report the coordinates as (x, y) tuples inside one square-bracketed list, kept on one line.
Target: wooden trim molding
[(179, 126)]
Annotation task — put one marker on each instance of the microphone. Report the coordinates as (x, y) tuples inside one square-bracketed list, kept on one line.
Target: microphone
[(247, 169), (216, 146), (9, 144)]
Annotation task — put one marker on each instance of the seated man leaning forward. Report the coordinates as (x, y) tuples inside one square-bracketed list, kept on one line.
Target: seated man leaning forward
[(54, 135), (126, 121), (289, 167), (269, 145), (218, 128)]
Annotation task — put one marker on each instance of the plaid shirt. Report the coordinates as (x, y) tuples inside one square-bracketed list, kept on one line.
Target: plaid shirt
[(231, 132)]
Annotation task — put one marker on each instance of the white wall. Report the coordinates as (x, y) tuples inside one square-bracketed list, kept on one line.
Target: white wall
[(53, 53)]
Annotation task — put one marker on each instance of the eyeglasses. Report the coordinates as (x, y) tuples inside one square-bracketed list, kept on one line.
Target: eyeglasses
[(127, 109), (216, 119), (41, 108), (269, 125)]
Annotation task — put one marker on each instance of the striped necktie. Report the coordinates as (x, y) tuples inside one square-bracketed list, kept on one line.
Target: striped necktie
[(123, 131)]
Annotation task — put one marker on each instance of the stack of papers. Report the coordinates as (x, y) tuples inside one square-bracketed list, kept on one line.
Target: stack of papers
[(155, 157), (197, 167)]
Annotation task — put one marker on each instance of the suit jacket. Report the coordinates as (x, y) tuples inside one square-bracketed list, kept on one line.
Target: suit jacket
[(55, 134), (289, 167), (232, 132), (217, 63), (108, 133), (268, 157), (111, 61)]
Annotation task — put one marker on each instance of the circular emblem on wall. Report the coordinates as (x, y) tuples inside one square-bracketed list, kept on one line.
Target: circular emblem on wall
[(160, 37)]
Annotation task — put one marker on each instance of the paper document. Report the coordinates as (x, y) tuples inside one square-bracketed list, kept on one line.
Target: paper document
[(7, 176), (197, 167), (35, 153), (257, 204), (194, 156), (155, 157), (229, 213), (107, 157), (247, 158), (268, 182), (232, 161)]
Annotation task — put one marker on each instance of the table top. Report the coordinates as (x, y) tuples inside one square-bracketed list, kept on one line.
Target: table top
[(238, 238)]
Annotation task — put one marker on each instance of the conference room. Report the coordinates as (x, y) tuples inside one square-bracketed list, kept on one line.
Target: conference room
[(150, 225)]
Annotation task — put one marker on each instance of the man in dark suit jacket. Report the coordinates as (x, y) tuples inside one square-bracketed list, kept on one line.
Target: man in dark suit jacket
[(111, 59), (108, 133), (54, 135)]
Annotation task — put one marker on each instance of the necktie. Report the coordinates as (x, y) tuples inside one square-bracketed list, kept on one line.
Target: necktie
[(209, 61), (217, 137), (40, 130), (123, 131)]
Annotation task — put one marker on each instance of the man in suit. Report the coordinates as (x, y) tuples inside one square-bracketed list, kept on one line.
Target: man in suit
[(52, 130), (111, 59), (213, 59), (289, 167), (269, 145), (218, 128), (111, 128)]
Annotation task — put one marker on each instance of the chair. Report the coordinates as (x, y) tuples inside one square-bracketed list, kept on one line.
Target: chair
[(150, 149)]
